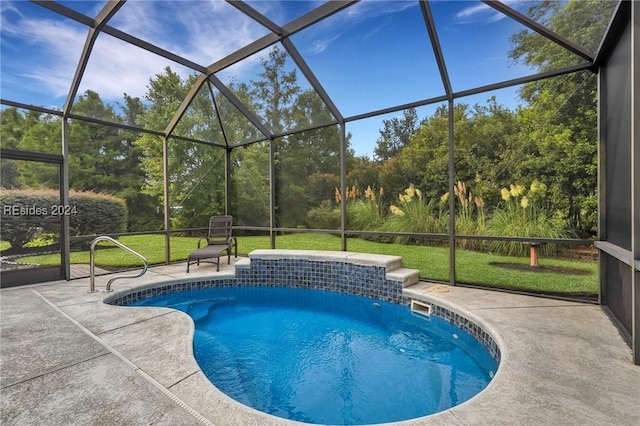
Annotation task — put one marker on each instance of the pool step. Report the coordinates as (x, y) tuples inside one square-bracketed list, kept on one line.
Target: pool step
[(406, 276), (243, 263)]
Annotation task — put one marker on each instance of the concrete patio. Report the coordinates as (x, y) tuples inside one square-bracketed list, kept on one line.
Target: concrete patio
[(69, 359)]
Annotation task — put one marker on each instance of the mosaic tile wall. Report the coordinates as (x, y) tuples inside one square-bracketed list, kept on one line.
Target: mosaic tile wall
[(340, 277)]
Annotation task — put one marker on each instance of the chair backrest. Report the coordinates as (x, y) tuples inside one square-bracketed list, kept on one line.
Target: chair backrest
[(220, 229)]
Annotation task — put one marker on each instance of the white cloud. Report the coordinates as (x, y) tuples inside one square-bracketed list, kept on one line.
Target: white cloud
[(203, 31), (372, 8), (320, 45), (55, 49), (484, 13), (116, 67), (352, 16)]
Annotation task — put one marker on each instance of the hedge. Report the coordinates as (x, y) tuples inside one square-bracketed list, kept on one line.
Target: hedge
[(25, 214)]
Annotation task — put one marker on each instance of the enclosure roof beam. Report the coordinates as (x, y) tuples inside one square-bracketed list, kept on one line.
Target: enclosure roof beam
[(215, 107), (107, 12), (616, 25), (291, 49), (540, 29), (30, 107), (514, 82), (301, 63), (325, 10), (112, 124), (437, 49), (257, 16), (65, 11), (249, 142), (198, 141), (306, 128), (397, 108), (193, 91), (239, 105), (128, 38), (522, 80), (101, 20)]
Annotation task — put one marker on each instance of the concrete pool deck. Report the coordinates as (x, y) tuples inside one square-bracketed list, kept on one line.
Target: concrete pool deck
[(68, 358)]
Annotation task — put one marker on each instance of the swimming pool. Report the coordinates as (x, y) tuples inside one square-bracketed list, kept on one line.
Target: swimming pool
[(378, 277), (322, 357)]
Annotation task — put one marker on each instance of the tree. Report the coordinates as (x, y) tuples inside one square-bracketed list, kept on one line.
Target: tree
[(396, 134), (132, 109), (364, 172), (302, 157), (9, 174), (12, 126), (196, 170), (105, 159), (423, 162), (39, 133), (559, 126), (483, 136), (29, 131), (274, 94), (250, 199)]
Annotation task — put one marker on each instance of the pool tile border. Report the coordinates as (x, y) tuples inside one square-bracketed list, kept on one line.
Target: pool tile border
[(469, 326)]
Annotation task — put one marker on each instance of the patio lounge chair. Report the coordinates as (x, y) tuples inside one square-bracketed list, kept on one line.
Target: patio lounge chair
[(219, 240)]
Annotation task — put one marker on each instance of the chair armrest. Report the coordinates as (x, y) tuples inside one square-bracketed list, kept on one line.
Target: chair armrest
[(233, 242)]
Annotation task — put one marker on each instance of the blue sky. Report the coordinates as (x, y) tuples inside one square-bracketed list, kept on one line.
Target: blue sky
[(373, 55)]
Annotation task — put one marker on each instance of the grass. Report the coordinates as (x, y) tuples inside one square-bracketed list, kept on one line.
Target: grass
[(433, 262)]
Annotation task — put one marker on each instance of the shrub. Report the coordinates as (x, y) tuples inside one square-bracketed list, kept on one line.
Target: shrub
[(522, 215), (470, 215), (326, 216), (27, 214), (415, 215), (362, 214), (365, 214), (97, 214)]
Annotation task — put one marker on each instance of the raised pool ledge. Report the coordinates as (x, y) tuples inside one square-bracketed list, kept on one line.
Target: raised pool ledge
[(370, 275)]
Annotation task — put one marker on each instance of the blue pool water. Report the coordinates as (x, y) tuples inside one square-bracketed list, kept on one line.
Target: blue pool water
[(329, 358)]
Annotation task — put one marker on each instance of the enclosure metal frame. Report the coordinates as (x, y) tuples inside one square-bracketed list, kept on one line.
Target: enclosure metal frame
[(628, 14), (282, 34), (635, 178), (59, 160)]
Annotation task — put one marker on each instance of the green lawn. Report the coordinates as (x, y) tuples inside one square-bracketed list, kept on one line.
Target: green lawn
[(433, 262)]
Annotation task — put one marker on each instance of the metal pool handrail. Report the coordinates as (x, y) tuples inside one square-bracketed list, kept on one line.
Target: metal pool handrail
[(92, 266)]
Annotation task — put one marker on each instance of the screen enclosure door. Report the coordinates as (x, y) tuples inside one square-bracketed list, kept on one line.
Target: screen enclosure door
[(31, 218)]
